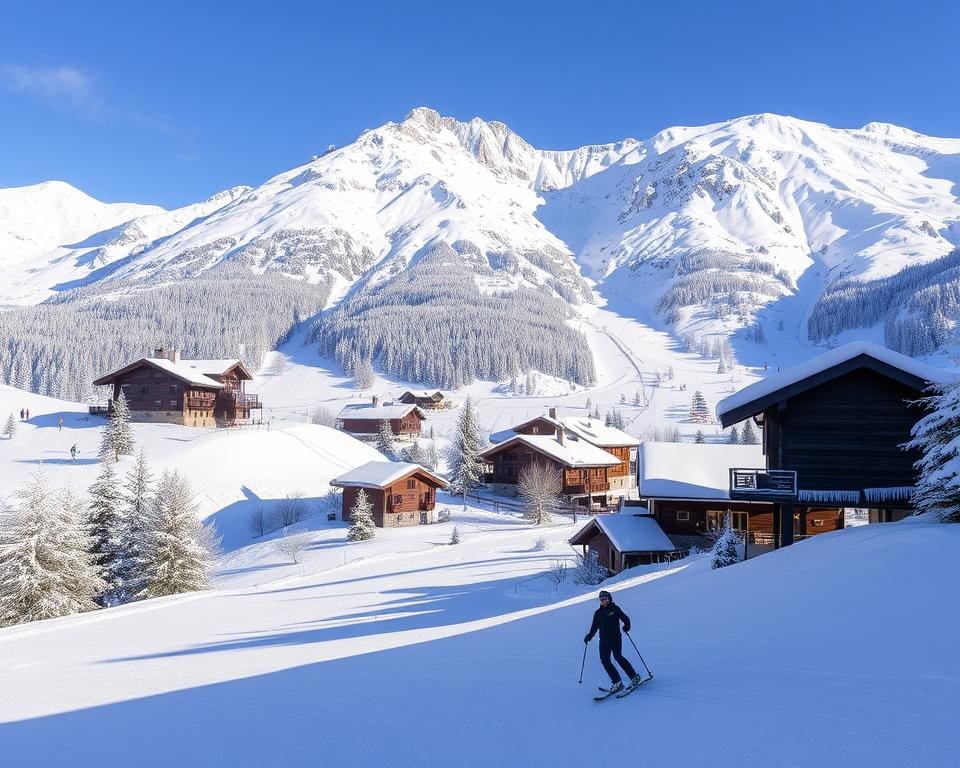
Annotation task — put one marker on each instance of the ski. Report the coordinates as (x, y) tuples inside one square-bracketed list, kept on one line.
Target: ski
[(605, 696), (631, 688)]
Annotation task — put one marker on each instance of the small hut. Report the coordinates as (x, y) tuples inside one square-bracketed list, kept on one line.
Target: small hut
[(401, 493)]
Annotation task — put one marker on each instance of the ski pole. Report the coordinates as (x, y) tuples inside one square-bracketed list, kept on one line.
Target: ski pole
[(649, 673), (582, 663)]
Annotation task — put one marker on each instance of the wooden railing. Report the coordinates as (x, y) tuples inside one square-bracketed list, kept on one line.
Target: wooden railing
[(243, 400)]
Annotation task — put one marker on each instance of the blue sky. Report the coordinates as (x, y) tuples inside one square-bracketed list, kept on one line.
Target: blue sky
[(169, 103)]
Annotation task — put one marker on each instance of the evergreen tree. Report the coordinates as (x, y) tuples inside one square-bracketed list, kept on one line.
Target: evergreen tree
[(734, 436), (130, 539), (106, 523), (46, 569), (596, 412), (363, 375), (361, 514), (177, 550), (10, 428), (937, 436), (637, 401), (699, 438), (749, 435), (699, 410), (721, 366), (728, 549), (464, 458), (385, 442), (117, 438), (455, 535)]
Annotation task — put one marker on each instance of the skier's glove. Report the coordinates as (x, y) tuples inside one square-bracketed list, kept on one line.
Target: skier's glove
[(586, 639), (626, 627)]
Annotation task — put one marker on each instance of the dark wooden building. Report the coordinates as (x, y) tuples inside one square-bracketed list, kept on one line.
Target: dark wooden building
[(686, 488), (426, 400), (622, 541), (366, 418), (401, 493), (833, 431), (194, 393), (583, 466)]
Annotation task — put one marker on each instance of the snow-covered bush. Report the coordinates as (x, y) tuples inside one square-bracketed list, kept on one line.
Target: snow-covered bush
[(588, 569), (292, 545), (540, 544), (443, 516), (728, 548), (558, 572), (290, 510), (324, 417)]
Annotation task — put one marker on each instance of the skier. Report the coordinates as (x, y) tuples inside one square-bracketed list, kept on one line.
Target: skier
[(607, 619), (21, 414), (73, 452), (60, 424)]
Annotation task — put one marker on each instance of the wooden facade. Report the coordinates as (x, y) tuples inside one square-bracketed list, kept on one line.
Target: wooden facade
[(841, 430), (408, 425), (427, 400), (177, 394), (408, 500), (609, 538)]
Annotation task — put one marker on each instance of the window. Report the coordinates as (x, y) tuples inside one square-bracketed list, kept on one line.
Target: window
[(143, 389), (398, 500), (411, 515), (411, 484), (173, 402), (683, 516)]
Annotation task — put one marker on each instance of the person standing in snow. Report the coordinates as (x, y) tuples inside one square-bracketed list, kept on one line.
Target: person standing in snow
[(21, 414), (607, 619), (73, 451)]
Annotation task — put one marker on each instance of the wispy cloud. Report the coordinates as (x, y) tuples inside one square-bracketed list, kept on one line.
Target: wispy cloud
[(65, 87)]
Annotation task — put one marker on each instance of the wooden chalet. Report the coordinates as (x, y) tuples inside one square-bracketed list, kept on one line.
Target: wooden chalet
[(685, 487), (593, 431), (584, 467), (426, 400), (622, 541), (401, 493), (833, 428), (194, 393), (365, 418)]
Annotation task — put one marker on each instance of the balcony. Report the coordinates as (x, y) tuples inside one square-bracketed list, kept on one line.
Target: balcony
[(197, 400), (241, 400), (593, 486), (763, 484)]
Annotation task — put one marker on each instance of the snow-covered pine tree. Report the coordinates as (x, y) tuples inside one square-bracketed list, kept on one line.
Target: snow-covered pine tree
[(46, 569), (937, 436), (749, 435), (106, 522), (129, 540), (10, 428), (455, 535), (385, 442), (728, 549), (430, 456), (699, 438), (540, 485), (177, 550), (361, 514), (596, 412), (721, 366), (699, 410), (464, 455), (637, 400), (734, 436), (117, 437), (363, 375)]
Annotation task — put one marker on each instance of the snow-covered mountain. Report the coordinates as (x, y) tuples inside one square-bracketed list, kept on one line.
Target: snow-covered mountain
[(762, 222)]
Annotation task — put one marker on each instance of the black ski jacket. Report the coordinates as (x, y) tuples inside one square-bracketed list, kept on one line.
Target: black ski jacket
[(607, 619)]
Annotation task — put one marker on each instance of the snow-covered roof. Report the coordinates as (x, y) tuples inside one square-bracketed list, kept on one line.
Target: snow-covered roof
[(592, 430), (835, 357), (596, 432), (631, 533), (692, 470), (380, 474), (213, 367), (377, 412), (571, 453), (184, 370)]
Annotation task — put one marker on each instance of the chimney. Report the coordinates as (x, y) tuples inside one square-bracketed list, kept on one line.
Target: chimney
[(375, 399), (160, 352), (552, 412), (560, 435), (174, 356)]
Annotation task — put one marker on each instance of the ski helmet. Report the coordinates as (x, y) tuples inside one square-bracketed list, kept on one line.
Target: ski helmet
[(605, 594)]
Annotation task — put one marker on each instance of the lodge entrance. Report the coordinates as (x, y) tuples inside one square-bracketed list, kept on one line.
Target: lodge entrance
[(717, 518)]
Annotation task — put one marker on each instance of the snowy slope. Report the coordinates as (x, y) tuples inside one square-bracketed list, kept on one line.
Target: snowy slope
[(447, 653), (54, 237)]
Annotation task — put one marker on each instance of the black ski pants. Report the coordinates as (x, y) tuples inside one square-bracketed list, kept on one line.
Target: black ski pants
[(614, 646)]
